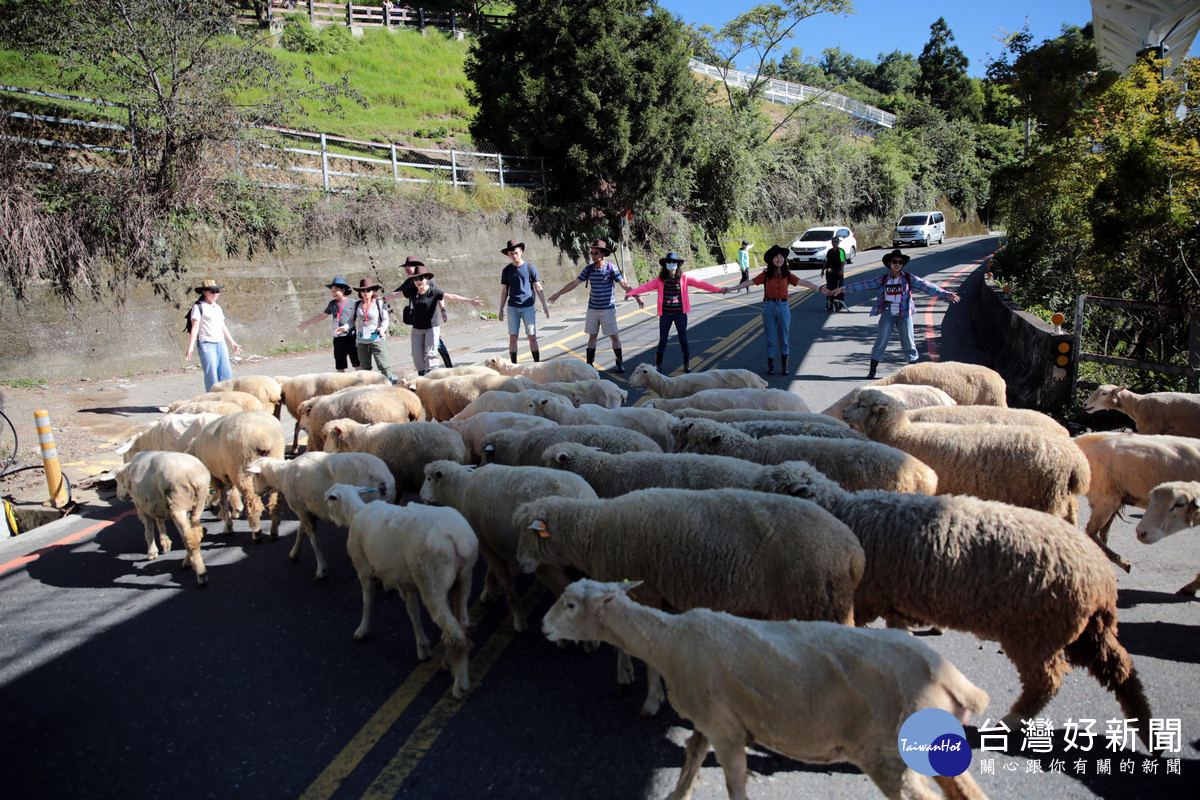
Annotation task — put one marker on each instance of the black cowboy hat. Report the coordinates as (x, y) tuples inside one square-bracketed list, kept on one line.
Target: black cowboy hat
[(412, 262), (600, 245), (896, 254), (208, 283), (776, 249), (366, 284), (513, 244), (670, 257)]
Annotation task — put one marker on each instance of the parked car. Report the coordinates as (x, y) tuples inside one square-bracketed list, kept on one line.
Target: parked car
[(920, 227), (810, 248)]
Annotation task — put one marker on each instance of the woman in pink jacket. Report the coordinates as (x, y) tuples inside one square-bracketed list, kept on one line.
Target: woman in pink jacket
[(673, 304)]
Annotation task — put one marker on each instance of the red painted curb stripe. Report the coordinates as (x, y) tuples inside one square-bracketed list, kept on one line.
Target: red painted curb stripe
[(930, 339), (74, 537)]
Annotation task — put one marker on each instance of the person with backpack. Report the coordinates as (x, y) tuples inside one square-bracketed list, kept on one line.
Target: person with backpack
[(600, 276), (411, 267), (519, 282), (894, 305), (426, 302), (835, 274), (345, 350), (371, 322), (206, 323)]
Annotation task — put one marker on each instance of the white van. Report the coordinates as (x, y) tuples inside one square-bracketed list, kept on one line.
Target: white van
[(920, 227)]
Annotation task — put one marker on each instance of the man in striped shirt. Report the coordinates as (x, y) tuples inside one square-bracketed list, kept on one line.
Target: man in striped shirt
[(602, 307)]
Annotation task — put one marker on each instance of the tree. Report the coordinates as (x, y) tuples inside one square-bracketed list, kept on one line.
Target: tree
[(793, 67), (944, 80), (895, 73), (602, 90)]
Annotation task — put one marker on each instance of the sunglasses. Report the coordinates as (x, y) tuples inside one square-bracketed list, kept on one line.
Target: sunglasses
[(899, 261), (214, 291)]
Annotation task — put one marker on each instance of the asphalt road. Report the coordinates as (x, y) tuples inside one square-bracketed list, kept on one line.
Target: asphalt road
[(119, 677)]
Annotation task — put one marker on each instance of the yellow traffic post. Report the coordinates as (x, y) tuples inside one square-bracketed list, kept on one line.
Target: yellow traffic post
[(54, 478)]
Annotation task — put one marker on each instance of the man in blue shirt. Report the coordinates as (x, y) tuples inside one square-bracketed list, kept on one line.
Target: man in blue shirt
[(602, 307), (518, 282)]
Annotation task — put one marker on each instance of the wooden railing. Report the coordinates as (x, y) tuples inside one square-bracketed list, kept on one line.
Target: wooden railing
[(392, 17)]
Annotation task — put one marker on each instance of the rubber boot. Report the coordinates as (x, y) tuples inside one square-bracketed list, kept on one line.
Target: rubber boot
[(658, 365), (687, 363), (512, 356), (871, 372), (617, 355), (591, 356), (444, 353), (770, 366), (783, 370), (537, 356)]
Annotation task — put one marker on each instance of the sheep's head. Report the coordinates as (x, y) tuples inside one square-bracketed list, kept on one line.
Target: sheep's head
[(122, 484), (439, 479), (496, 363), (800, 479), (1106, 396), (535, 532), (1173, 507), (873, 411), (580, 609), (255, 470), (638, 378), (565, 454), (699, 435)]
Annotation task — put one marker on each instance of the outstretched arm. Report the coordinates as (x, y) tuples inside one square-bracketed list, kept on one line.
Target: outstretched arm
[(564, 290), (458, 298)]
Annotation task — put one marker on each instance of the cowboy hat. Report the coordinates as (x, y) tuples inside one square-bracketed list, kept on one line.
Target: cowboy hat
[(366, 284), (896, 254), (671, 258), (776, 249), (513, 244), (600, 245), (419, 275), (338, 281), (409, 261), (208, 283)]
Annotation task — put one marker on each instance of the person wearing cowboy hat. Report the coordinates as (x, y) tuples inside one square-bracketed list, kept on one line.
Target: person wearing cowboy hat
[(519, 281), (673, 304), (744, 259), (602, 307), (410, 268), (776, 314), (342, 310), (894, 305), (426, 301), (371, 321), (209, 334)]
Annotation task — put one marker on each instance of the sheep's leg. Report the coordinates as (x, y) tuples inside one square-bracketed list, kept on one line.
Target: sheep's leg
[(1192, 587), (191, 532), (625, 675), (506, 578), (731, 752), (254, 506), (655, 692), (412, 603), (151, 543), (893, 778), (1098, 650), (960, 787), (191, 542), (368, 593), (275, 506), (223, 512), (460, 595), (1041, 675), (697, 749), (438, 601), (296, 438), (1098, 528), (309, 528), (164, 541)]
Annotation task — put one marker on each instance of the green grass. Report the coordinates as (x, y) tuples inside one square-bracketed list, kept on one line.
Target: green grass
[(25, 383)]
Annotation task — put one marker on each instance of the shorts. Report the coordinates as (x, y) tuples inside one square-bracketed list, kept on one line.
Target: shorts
[(345, 349), (526, 314), (601, 319)]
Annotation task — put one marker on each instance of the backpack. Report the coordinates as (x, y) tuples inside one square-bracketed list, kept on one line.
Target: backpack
[(358, 305), (187, 317)]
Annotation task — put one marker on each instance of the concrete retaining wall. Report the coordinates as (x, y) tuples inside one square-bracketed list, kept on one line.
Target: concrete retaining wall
[(1023, 348)]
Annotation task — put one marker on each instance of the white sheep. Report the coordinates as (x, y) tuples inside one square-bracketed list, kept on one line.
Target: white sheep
[(296, 389), (406, 447), (1125, 469), (1023, 466), (752, 554), (172, 432), (303, 482), (472, 429), (759, 428), (1173, 507), (1013, 575), (505, 401), (1172, 413), (597, 391), (968, 384), (853, 464), (244, 401), (524, 448), (445, 397), (688, 384), (461, 369), (265, 388), (648, 421), (192, 407), (988, 415), (227, 446), (365, 404), (553, 371), (420, 551), (487, 498), (168, 485), (813, 691), (759, 415), (723, 399), (912, 396)]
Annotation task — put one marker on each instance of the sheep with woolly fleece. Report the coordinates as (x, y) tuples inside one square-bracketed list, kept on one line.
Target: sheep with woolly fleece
[(722, 399), (813, 691), (988, 415), (487, 497), (218, 407), (524, 448), (461, 369), (227, 446), (296, 389), (265, 388), (599, 392), (244, 401), (648, 421), (406, 447), (968, 384), (1013, 575), (168, 485), (853, 464), (445, 397), (688, 384), (420, 551), (1022, 466), (751, 554), (514, 402), (303, 482), (759, 415), (365, 404), (910, 395), (1125, 469), (1173, 507), (173, 432), (758, 428), (558, 370), (474, 428), (1170, 413)]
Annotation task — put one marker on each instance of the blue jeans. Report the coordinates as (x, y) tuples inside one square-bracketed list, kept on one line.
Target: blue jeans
[(888, 321), (214, 362), (679, 320), (777, 321)]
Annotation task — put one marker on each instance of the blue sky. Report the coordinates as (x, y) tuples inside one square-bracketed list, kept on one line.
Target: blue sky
[(881, 26)]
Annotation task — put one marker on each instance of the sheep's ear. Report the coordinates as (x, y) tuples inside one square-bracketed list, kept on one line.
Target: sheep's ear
[(1193, 512), (439, 474), (797, 489), (714, 438), (540, 527), (255, 468), (562, 458), (628, 586), (879, 408), (337, 430)]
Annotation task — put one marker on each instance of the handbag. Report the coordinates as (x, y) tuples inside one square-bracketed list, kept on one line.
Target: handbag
[(407, 314)]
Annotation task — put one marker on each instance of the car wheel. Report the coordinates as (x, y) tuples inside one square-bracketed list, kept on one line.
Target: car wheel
[(927, 240), (850, 256)]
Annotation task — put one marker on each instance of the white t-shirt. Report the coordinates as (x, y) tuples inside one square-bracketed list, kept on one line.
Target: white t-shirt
[(211, 319), (893, 291)]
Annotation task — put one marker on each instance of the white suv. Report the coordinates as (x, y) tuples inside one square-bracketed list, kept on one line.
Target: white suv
[(920, 227), (813, 244)]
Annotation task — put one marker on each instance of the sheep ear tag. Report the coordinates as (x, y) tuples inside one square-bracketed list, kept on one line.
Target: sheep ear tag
[(540, 527)]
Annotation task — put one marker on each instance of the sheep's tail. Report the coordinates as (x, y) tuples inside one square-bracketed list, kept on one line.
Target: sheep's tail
[(199, 502), (1109, 662)]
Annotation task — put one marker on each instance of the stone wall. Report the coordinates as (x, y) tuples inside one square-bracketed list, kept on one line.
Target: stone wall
[(265, 297)]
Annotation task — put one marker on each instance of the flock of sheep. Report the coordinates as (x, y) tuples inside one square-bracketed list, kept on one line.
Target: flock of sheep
[(757, 534)]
